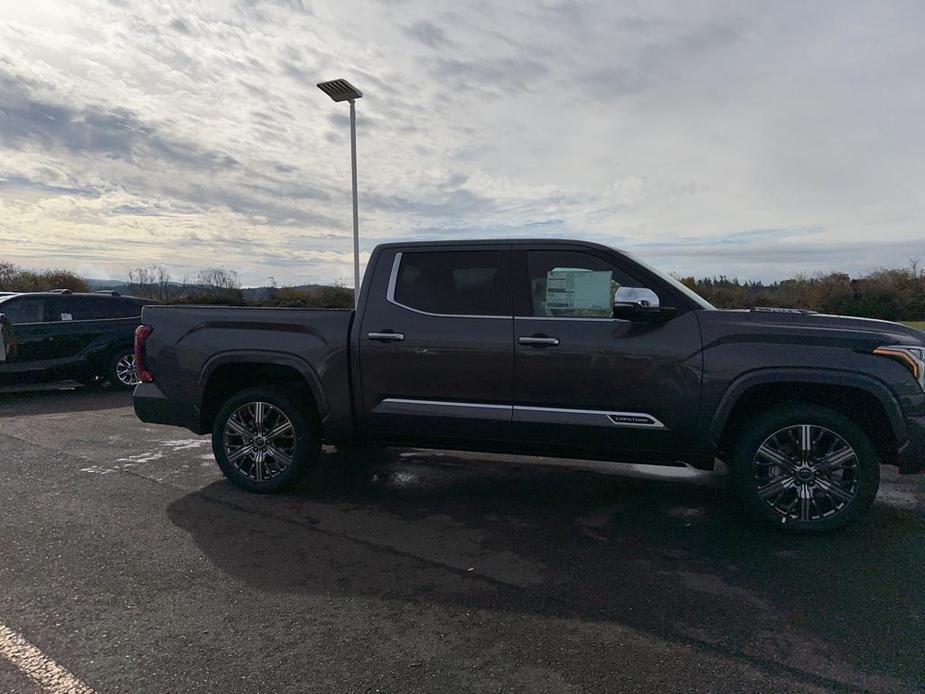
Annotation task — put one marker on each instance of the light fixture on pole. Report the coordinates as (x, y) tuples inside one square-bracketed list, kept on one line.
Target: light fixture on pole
[(342, 90)]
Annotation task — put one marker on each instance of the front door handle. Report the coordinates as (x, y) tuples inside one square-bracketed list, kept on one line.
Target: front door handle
[(539, 341), (386, 336)]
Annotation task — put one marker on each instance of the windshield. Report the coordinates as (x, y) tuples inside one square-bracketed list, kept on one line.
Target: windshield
[(685, 290)]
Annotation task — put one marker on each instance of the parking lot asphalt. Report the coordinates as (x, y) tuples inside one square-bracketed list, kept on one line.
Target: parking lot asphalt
[(131, 563)]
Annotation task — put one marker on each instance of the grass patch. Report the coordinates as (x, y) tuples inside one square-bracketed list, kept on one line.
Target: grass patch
[(918, 324)]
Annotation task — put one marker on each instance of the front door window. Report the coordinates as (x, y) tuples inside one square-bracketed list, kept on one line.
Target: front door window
[(573, 284)]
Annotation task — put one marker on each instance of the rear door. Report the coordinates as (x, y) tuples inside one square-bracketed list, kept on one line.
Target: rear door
[(86, 329), (77, 322), (436, 349)]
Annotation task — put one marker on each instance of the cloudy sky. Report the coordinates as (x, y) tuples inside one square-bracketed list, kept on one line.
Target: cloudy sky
[(756, 139)]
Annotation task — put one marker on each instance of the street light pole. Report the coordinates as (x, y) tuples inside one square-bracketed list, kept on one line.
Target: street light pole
[(342, 90), (356, 214)]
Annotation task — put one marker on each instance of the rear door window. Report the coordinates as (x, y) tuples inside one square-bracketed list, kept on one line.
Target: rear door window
[(452, 283), (95, 308), (120, 308), (70, 308)]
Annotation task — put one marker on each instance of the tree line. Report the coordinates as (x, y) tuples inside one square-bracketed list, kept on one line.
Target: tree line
[(17, 279), (895, 294), (214, 285)]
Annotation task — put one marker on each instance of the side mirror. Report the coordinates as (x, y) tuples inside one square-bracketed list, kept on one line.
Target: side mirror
[(640, 304)]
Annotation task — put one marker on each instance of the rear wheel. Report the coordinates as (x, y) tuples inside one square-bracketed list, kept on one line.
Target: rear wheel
[(805, 468), (121, 370), (265, 438)]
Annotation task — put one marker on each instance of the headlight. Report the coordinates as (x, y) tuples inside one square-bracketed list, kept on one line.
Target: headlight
[(912, 356)]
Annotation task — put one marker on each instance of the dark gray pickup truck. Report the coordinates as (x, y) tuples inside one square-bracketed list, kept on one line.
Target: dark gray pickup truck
[(554, 348)]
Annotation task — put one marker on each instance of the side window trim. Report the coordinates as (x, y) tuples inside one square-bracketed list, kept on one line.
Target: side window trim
[(393, 281)]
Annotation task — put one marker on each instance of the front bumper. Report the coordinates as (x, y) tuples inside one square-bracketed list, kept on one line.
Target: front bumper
[(153, 407), (911, 455)]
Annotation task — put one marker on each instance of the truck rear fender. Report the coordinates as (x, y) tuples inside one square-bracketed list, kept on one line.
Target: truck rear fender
[(257, 358)]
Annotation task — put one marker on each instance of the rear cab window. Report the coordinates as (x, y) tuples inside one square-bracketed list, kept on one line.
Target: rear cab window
[(461, 283)]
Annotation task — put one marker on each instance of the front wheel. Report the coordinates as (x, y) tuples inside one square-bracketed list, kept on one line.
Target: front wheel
[(805, 468), (265, 439)]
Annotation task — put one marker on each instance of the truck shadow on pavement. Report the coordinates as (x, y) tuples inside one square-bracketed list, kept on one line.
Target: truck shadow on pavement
[(61, 398), (667, 558)]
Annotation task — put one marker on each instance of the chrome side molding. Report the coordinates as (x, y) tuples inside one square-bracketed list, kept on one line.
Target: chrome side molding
[(518, 413), (595, 418)]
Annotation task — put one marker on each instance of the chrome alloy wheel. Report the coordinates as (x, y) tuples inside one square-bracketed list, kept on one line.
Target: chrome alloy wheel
[(806, 472), (259, 441), (125, 370)]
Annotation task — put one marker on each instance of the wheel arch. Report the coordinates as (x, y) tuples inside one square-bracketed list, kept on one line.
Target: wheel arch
[(101, 359), (850, 393), (230, 372)]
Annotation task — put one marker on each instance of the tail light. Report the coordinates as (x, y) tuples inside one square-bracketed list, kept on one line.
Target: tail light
[(142, 333)]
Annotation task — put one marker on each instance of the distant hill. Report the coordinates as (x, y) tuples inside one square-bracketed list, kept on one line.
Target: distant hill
[(250, 293)]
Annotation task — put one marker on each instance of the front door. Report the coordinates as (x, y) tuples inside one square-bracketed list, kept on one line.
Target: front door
[(436, 351), (586, 379)]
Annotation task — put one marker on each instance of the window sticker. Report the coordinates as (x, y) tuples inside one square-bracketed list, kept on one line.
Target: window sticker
[(577, 289), (67, 316)]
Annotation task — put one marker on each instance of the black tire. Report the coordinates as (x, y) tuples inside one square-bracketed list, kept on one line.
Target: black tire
[(825, 499), (116, 374), (302, 448)]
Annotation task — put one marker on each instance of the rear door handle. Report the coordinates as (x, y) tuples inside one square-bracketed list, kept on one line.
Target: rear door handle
[(386, 336), (539, 341)]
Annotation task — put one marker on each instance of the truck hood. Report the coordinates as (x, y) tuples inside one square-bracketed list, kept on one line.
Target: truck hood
[(803, 327)]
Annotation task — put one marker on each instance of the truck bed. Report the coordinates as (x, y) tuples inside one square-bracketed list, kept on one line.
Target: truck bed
[(190, 343)]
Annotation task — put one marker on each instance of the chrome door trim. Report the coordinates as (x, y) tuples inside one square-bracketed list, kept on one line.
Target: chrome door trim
[(563, 415), (528, 413), (390, 297), (442, 408), (447, 403)]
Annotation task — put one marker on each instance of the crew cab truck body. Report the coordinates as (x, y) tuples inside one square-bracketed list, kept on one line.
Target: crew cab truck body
[(542, 347)]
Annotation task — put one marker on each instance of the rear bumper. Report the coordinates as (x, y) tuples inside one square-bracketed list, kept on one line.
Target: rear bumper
[(153, 407), (911, 455)]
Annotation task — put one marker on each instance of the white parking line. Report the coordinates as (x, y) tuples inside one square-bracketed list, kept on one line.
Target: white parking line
[(43, 670)]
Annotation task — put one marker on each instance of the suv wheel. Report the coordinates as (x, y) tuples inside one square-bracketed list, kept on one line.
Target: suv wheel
[(805, 468), (265, 439), (121, 370)]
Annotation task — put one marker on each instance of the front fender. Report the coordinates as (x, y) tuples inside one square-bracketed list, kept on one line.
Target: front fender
[(834, 377)]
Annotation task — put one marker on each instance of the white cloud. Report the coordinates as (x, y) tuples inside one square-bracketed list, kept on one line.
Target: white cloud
[(192, 133)]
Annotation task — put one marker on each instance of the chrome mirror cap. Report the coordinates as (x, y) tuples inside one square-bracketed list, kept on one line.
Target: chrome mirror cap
[(635, 297)]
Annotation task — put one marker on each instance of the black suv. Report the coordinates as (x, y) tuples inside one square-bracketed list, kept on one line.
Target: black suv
[(56, 335)]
